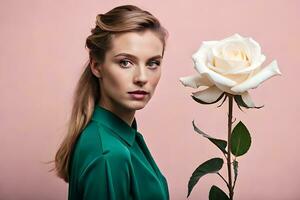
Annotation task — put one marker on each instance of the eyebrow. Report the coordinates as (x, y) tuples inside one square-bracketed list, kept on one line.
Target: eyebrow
[(134, 57)]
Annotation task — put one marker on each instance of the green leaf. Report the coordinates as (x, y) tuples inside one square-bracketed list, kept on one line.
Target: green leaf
[(210, 166), (240, 140), (216, 193), (221, 144), (235, 170), (203, 102)]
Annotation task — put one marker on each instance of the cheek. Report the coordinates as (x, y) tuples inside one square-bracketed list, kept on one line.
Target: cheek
[(118, 83), (115, 82), (155, 79)]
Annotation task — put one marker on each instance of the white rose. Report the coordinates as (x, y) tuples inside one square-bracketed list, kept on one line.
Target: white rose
[(231, 65)]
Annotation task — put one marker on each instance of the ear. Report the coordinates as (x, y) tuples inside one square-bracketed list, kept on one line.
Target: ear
[(95, 68)]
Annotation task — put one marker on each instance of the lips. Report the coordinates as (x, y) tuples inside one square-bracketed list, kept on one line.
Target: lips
[(138, 95), (138, 92)]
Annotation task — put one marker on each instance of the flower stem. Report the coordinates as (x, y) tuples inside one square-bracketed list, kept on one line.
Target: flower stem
[(230, 98)]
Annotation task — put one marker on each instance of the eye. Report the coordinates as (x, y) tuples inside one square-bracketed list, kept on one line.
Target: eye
[(124, 61), (156, 64)]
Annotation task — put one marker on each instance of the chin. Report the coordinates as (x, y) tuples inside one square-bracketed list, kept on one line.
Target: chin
[(137, 105), (139, 108)]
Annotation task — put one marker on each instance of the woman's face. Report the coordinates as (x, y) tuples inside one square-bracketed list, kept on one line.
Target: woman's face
[(133, 63)]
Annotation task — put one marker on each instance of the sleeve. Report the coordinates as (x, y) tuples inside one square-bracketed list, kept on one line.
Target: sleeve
[(105, 179)]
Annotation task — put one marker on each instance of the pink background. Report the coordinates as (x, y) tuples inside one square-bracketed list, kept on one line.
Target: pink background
[(42, 56)]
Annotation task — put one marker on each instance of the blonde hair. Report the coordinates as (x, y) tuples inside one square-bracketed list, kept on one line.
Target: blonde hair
[(126, 18)]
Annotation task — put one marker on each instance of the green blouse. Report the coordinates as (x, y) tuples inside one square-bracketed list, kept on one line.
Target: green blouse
[(112, 161)]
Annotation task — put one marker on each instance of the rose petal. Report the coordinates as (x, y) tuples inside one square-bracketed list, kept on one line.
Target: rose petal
[(202, 53), (245, 70), (235, 37), (222, 80), (234, 50), (226, 89), (247, 99), (224, 66), (208, 95), (200, 64), (266, 73), (195, 81), (253, 52), (254, 48)]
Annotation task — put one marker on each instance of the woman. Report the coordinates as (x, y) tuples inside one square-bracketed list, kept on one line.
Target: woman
[(103, 156)]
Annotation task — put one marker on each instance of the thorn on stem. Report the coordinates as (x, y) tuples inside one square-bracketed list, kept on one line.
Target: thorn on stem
[(234, 120)]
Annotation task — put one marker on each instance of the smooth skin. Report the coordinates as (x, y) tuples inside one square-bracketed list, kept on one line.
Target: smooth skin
[(137, 68)]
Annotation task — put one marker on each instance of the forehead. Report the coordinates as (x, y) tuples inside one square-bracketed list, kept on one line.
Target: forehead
[(140, 44)]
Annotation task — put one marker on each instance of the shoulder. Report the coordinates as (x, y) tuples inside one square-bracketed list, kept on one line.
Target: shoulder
[(97, 142)]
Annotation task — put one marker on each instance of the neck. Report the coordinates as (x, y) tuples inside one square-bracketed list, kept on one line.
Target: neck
[(125, 114)]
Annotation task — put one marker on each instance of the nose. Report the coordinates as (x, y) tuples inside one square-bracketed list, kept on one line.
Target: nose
[(140, 76)]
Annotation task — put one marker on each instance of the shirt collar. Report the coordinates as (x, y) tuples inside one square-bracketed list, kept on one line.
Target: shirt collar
[(115, 123)]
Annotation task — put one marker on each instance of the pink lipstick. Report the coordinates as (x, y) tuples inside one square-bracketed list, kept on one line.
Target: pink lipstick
[(138, 94)]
